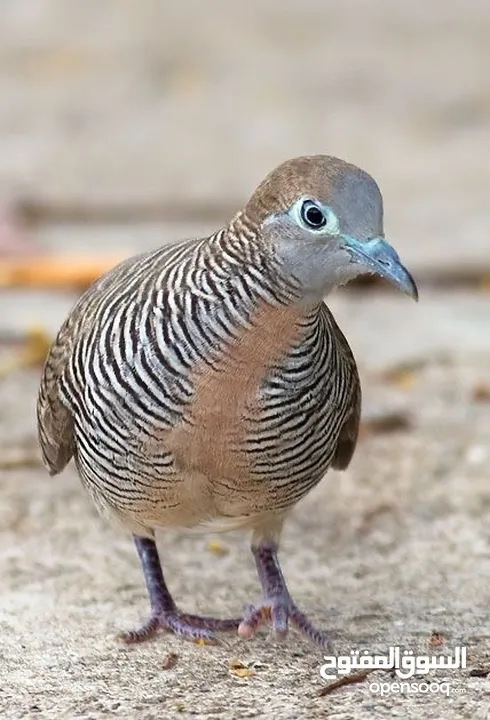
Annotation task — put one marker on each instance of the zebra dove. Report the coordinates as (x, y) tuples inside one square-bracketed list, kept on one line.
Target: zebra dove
[(207, 383)]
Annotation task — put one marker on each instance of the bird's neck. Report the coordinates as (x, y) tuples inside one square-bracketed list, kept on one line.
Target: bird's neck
[(254, 257), (299, 274)]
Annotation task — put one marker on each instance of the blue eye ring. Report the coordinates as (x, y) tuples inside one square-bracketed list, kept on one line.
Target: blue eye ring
[(312, 216)]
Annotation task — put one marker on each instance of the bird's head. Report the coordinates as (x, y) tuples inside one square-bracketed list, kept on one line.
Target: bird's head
[(323, 220)]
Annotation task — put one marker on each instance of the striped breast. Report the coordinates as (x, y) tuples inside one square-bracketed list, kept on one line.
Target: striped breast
[(198, 387)]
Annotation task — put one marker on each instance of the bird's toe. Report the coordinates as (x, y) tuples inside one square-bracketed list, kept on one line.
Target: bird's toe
[(280, 612), (192, 627)]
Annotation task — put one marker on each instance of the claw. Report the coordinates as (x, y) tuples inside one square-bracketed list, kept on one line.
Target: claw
[(165, 615), (193, 627), (276, 606)]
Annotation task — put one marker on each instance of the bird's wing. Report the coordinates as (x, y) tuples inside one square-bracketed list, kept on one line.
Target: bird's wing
[(349, 432), (54, 418), (348, 437)]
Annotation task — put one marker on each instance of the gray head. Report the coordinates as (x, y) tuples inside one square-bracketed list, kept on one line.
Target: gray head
[(323, 219)]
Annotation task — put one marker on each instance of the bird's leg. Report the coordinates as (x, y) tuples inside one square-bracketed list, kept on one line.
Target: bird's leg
[(164, 613), (276, 603)]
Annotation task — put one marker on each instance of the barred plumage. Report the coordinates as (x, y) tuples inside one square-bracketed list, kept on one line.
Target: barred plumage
[(207, 383)]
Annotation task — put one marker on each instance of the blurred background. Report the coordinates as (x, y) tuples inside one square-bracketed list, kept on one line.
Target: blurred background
[(124, 125)]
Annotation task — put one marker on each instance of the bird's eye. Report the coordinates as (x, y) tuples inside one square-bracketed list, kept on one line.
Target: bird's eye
[(318, 219), (312, 216)]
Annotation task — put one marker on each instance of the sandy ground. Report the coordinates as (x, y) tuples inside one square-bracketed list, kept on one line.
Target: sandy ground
[(137, 101)]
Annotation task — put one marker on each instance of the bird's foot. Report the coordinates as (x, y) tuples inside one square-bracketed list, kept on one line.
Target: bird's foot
[(164, 613), (276, 605), (192, 627), (280, 611)]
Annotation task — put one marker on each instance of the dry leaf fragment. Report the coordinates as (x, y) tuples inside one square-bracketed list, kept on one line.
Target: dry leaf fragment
[(169, 661), (241, 670), (217, 548), (385, 422), (404, 374), (54, 272), (33, 353), (484, 283), (404, 379), (481, 393), (16, 458), (436, 639), (37, 346)]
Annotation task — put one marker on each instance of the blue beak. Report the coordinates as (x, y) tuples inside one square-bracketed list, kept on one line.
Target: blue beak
[(379, 257)]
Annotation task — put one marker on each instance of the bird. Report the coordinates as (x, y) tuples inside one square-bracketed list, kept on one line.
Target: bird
[(206, 384)]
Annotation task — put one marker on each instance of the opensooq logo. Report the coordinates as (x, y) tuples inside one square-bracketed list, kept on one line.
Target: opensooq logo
[(405, 664)]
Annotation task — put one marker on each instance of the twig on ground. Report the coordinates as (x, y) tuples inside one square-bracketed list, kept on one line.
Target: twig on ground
[(351, 679)]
